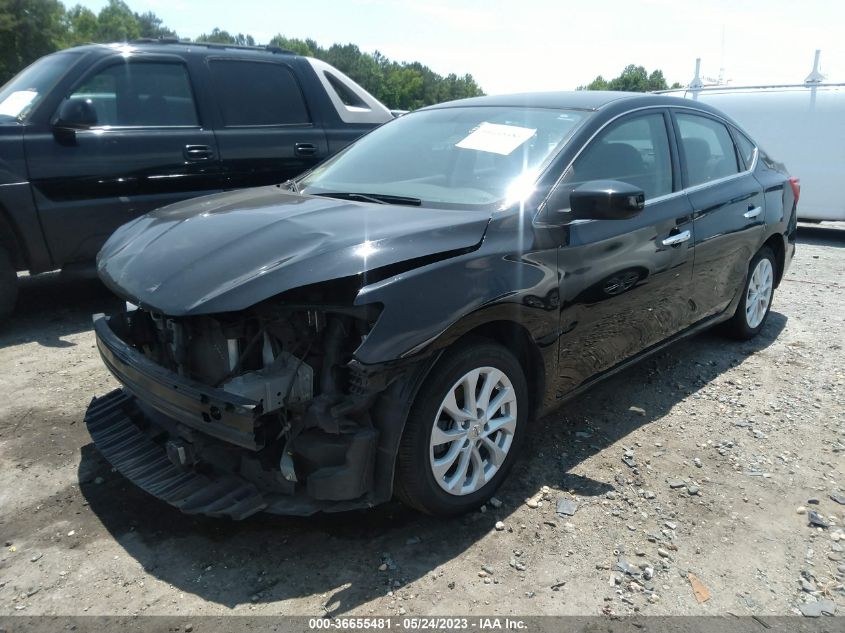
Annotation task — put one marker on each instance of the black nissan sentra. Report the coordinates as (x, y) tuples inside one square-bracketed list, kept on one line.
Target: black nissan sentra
[(390, 322)]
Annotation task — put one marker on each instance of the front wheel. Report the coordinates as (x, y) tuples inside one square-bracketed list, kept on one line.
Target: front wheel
[(464, 430), (756, 301)]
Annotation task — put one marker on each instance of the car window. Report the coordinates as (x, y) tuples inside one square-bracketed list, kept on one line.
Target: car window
[(746, 148), (140, 94), (257, 93), (634, 150), (707, 148)]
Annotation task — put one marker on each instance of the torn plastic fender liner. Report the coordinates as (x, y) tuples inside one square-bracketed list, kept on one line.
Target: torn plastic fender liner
[(215, 412)]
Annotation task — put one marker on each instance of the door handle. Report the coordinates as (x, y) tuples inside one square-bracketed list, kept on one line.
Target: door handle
[(679, 238), (198, 152), (305, 149), (753, 212)]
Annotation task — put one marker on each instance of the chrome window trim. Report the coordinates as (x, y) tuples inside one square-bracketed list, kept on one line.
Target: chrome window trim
[(542, 206)]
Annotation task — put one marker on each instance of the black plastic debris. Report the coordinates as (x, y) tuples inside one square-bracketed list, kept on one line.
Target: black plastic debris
[(566, 507), (816, 519)]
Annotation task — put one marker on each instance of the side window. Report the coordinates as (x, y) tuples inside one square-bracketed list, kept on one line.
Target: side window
[(145, 94), (635, 150), (707, 148), (345, 93), (746, 148), (257, 93)]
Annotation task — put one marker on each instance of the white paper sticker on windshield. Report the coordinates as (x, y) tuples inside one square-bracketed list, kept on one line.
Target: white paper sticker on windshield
[(497, 139), (15, 103)]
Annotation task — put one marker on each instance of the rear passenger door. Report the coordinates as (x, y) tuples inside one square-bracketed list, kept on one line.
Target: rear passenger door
[(728, 208), (142, 146), (266, 132)]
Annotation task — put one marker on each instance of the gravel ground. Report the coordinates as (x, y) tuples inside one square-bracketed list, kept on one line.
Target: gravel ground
[(692, 477)]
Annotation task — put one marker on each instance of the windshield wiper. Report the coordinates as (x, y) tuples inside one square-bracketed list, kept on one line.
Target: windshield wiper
[(378, 198)]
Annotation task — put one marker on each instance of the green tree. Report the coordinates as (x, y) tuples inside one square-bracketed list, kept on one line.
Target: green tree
[(117, 23), (218, 36), (80, 26), (633, 79), (152, 26), (300, 47), (28, 30)]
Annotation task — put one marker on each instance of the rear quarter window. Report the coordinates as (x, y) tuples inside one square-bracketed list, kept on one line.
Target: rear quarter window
[(747, 148)]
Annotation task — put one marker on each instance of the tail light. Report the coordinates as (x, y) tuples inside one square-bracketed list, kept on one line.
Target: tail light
[(796, 187)]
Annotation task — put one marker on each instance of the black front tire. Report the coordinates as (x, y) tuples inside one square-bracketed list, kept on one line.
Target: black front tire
[(738, 327), (8, 285), (415, 482)]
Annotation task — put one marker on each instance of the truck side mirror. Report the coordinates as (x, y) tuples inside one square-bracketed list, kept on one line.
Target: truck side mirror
[(74, 114), (77, 114)]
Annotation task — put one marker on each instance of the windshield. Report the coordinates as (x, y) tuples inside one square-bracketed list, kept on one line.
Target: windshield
[(462, 157), (23, 91)]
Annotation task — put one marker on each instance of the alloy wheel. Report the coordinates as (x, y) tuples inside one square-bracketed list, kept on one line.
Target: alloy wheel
[(473, 431), (759, 293)]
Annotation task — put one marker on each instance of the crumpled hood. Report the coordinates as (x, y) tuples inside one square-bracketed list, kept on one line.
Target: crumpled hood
[(226, 252)]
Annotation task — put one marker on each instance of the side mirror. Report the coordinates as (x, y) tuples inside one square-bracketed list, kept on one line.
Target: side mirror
[(76, 114), (606, 200)]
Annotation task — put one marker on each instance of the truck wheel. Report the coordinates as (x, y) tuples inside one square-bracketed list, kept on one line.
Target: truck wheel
[(464, 430), (757, 295), (8, 285)]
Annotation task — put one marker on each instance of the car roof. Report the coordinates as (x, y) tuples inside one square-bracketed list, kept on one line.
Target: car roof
[(174, 46), (573, 99)]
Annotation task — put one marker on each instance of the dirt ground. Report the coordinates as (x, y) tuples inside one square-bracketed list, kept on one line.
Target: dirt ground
[(756, 429)]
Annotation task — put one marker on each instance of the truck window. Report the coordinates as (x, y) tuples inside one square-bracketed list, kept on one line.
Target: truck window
[(23, 92), (707, 148), (140, 94), (257, 93)]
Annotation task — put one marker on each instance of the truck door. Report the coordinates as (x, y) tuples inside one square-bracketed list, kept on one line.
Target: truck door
[(126, 139), (266, 131)]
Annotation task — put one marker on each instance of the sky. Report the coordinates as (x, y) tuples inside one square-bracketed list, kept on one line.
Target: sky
[(534, 45)]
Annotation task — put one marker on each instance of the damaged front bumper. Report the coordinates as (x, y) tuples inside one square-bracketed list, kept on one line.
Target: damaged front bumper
[(207, 451)]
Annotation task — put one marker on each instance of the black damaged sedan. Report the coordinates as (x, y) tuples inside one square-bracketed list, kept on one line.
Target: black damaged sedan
[(390, 322)]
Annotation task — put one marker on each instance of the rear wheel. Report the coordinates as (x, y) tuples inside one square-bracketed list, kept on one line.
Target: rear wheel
[(8, 285), (756, 301), (464, 430)]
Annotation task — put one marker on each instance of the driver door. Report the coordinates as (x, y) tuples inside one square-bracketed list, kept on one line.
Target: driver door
[(625, 285), (138, 144)]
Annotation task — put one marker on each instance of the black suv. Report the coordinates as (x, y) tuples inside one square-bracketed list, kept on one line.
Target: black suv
[(94, 136)]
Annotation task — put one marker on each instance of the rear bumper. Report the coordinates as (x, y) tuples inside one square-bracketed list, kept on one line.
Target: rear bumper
[(215, 412)]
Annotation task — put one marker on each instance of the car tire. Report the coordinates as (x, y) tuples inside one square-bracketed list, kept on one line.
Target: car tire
[(458, 466), (8, 285), (757, 295)]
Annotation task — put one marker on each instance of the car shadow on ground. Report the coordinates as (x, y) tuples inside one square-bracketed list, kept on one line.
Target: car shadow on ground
[(266, 559), (54, 305), (821, 235)]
